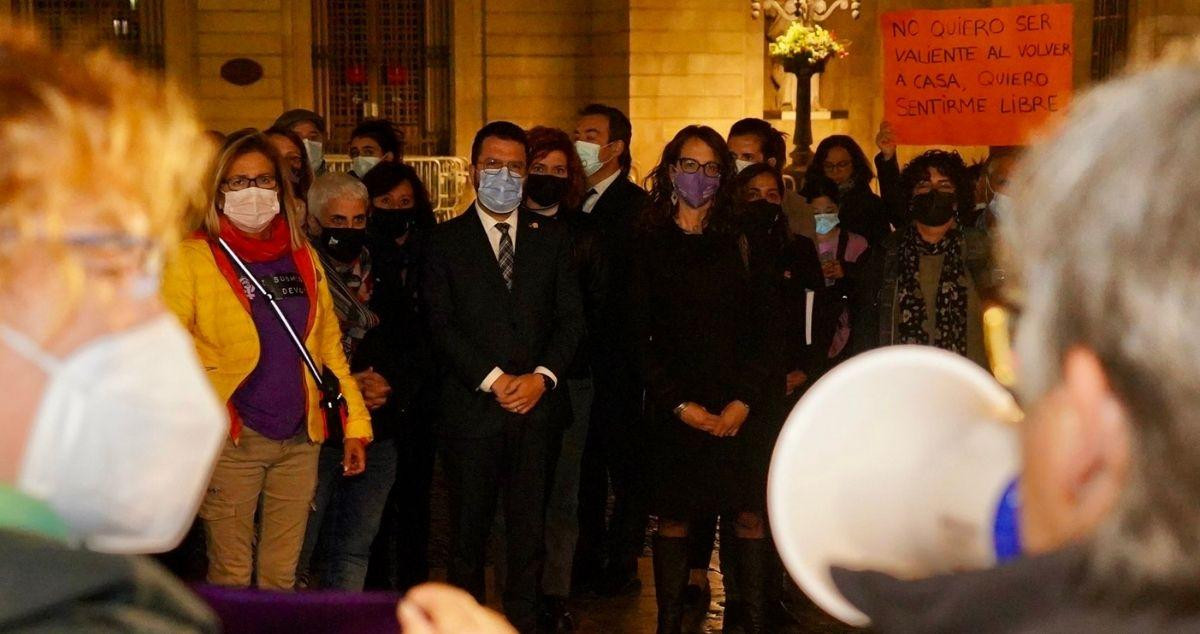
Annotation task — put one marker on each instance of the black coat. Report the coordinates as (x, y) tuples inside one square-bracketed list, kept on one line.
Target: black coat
[(894, 201), (614, 214), (700, 319), (587, 256), (1047, 593), (400, 347), (478, 324), (861, 211)]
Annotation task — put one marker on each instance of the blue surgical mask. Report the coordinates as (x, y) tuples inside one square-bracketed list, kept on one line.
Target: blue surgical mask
[(741, 165), (499, 190), (825, 222), (589, 155)]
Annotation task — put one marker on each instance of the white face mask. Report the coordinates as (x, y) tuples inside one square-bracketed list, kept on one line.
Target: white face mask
[(251, 209), (589, 155), (316, 153), (741, 165), (363, 164), (125, 438)]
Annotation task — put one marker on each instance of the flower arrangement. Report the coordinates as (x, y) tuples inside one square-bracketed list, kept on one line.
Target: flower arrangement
[(807, 45)]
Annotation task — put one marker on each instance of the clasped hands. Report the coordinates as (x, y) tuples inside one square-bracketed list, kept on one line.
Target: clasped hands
[(727, 424), (519, 394), (375, 389)]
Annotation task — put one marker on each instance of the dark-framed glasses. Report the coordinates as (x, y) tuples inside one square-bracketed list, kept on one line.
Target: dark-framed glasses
[(691, 166), (238, 183)]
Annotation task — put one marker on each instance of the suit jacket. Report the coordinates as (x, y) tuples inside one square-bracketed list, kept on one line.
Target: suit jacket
[(615, 213), (478, 324)]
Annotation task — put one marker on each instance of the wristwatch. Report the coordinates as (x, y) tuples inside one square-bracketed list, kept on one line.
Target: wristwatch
[(679, 409)]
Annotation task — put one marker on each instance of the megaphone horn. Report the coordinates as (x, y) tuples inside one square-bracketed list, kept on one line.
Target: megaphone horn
[(895, 461)]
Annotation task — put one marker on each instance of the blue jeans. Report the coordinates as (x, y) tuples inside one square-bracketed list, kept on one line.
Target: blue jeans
[(345, 517)]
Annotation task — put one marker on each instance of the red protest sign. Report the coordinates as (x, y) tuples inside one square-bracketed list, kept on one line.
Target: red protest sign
[(976, 76)]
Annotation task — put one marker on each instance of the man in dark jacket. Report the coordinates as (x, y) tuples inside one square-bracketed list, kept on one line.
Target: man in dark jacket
[(1109, 487), (612, 453), (504, 308)]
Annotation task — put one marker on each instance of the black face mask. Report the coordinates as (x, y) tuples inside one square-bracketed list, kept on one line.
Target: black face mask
[(342, 244), (545, 189), (392, 224), (934, 209), (762, 214)]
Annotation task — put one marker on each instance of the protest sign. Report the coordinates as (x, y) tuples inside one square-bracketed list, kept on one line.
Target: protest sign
[(976, 76)]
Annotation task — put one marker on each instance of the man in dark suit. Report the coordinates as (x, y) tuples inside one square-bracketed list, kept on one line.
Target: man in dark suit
[(506, 316), (602, 138)]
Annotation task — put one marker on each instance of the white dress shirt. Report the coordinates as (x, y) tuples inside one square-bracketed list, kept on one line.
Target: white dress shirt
[(493, 234), (599, 188)]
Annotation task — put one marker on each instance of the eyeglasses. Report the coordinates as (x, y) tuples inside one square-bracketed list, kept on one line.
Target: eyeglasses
[(840, 165), (691, 166), (238, 183), (516, 167)]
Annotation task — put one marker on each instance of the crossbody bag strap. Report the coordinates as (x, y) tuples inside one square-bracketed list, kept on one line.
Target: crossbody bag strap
[(308, 360)]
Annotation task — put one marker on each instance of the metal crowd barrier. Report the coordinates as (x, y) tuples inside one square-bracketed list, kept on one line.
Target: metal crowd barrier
[(446, 178)]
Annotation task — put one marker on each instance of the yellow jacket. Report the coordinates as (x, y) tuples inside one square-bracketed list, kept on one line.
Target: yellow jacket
[(202, 295)]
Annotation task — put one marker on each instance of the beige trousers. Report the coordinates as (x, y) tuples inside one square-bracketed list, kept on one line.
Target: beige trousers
[(282, 476)]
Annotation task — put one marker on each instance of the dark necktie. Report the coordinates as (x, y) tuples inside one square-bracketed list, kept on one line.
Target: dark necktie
[(506, 254)]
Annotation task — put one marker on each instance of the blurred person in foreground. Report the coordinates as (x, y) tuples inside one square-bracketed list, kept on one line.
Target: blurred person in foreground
[(1110, 487), (110, 427)]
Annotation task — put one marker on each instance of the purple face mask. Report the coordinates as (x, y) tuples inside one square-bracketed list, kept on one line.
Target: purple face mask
[(696, 189)]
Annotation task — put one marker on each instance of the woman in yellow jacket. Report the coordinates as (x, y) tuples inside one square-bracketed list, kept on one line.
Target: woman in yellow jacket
[(277, 425)]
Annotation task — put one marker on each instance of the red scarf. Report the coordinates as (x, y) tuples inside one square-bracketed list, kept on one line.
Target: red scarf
[(276, 244)]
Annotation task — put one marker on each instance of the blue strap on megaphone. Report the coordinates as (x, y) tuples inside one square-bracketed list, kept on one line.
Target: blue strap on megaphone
[(1006, 531)]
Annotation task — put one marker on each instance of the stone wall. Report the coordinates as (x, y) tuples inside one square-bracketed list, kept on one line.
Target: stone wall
[(201, 35)]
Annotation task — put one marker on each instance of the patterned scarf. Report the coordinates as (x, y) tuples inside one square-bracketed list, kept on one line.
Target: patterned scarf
[(350, 286), (950, 308)]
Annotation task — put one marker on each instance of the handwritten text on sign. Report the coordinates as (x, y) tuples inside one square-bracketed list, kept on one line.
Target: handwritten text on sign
[(976, 76)]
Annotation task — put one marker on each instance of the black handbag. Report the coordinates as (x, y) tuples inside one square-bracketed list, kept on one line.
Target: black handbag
[(332, 402)]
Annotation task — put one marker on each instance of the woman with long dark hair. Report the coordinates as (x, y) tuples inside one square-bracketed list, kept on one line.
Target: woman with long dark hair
[(555, 189), (840, 159), (699, 317), (399, 225)]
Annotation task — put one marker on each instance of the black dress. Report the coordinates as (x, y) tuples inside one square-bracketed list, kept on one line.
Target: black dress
[(699, 318)]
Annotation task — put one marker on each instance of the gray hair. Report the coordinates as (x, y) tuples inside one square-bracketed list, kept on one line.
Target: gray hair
[(334, 186), (1106, 231)]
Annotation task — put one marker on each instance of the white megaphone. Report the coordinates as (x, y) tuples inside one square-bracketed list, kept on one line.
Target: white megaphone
[(895, 461)]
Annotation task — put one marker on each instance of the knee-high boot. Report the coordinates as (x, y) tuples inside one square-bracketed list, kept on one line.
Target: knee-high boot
[(749, 559), (670, 581)]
